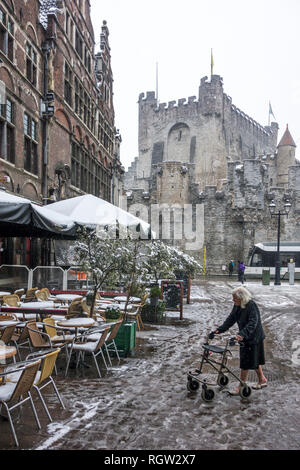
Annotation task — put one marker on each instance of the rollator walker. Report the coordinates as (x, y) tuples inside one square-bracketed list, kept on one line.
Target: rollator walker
[(223, 372)]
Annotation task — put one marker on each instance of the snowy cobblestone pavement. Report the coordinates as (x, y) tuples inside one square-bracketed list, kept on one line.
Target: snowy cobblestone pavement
[(143, 402)]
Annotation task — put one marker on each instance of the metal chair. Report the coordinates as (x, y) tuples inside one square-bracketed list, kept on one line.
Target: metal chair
[(41, 295), (19, 292), (110, 341), (11, 300), (52, 330), (90, 347), (20, 338), (19, 392), (7, 334), (40, 340), (44, 375), (137, 314), (30, 294)]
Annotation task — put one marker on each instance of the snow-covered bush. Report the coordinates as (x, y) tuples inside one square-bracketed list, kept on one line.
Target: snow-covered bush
[(101, 256)]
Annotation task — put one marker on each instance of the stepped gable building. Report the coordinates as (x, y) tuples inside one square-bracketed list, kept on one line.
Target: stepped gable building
[(206, 153), (57, 122), (58, 137)]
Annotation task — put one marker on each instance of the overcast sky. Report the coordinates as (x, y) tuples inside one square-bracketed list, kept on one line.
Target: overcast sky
[(255, 48)]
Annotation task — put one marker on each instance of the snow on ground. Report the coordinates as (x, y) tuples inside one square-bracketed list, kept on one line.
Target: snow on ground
[(143, 402)]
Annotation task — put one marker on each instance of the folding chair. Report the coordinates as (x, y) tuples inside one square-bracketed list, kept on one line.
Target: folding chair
[(91, 347), (19, 392)]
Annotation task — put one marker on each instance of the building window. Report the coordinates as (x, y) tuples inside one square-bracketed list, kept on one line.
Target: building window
[(67, 23), (6, 35), (78, 98), (87, 60), (7, 131), (31, 64), (88, 174), (68, 84), (78, 44), (30, 145)]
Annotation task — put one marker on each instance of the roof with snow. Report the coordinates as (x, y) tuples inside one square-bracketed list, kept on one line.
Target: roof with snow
[(287, 139), (45, 7)]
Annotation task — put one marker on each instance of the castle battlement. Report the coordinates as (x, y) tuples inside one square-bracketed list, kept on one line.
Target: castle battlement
[(211, 102)]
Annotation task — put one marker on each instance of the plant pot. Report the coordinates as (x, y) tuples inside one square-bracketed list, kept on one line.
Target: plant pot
[(126, 338), (154, 301)]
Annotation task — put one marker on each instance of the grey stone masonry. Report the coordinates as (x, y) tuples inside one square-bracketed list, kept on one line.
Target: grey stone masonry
[(207, 153)]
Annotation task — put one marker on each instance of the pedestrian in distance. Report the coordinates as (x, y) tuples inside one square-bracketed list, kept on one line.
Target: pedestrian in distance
[(251, 336), (241, 272), (230, 267)]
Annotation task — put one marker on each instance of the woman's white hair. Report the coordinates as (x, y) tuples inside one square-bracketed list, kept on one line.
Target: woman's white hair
[(242, 294)]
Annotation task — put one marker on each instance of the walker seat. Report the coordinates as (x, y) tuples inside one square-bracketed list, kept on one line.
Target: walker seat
[(213, 348)]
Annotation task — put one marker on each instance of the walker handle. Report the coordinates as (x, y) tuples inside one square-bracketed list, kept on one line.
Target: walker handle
[(211, 335)]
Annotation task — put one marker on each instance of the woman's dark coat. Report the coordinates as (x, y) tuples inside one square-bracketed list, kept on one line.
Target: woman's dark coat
[(249, 323)]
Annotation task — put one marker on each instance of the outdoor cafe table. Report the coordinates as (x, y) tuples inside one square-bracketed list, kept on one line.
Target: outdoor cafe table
[(5, 323), (121, 306), (67, 297), (77, 323), (124, 299), (35, 308), (5, 353)]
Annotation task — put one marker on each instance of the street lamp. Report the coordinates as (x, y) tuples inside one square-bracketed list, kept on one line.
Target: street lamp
[(278, 214)]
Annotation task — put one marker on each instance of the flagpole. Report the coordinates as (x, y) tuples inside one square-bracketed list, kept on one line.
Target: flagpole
[(157, 81), (211, 63)]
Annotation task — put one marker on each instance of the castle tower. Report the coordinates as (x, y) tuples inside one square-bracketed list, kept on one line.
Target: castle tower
[(285, 157)]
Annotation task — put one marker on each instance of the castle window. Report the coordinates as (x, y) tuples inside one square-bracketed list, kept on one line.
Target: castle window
[(30, 145), (68, 84), (7, 132), (31, 64), (6, 35)]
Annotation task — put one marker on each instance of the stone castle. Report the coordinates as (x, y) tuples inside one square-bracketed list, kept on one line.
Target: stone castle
[(207, 154)]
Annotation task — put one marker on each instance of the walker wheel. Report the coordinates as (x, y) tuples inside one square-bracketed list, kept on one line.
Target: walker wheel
[(207, 394), (245, 391), (222, 380), (192, 385)]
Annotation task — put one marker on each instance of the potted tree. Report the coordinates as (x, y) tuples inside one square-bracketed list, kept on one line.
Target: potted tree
[(100, 255), (155, 294)]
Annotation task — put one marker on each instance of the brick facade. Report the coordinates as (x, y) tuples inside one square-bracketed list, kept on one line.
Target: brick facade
[(76, 150), (57, 122)]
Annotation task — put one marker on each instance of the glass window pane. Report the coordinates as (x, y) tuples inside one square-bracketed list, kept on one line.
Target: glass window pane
[(9, 114), (26, 123)]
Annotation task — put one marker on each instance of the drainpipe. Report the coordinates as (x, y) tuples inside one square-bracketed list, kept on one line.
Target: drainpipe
[(47, 103), (45, 125)]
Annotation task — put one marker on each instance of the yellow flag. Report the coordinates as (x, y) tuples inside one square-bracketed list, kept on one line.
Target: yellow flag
[(212, 63)]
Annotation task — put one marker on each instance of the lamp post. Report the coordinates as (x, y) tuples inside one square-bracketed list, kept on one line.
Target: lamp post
[(278, 213)]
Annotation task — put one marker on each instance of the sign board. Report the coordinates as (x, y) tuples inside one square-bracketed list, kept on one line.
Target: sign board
[(181, 276), (172, 295)]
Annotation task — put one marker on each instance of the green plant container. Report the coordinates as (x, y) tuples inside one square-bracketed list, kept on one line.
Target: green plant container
[(266, 277), (151, 314), (126, 338)]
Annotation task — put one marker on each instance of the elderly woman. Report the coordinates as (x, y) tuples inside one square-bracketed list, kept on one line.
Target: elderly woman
[(246, 314)]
